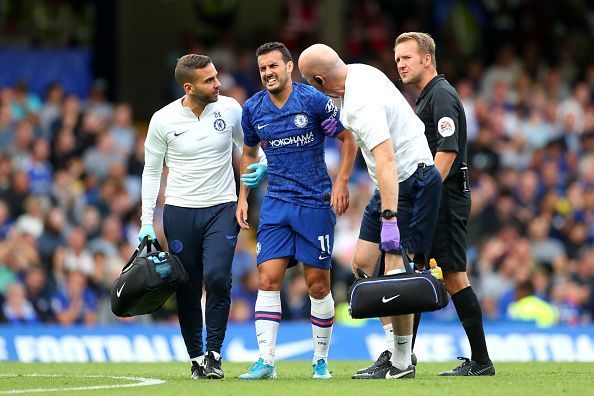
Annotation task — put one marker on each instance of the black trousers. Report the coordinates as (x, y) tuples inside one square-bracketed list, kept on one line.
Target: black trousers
[(204, 240)]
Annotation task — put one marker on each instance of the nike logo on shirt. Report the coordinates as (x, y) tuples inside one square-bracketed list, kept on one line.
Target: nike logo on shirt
[(262, 126), (176, 134), (118, 292), (385, 300)]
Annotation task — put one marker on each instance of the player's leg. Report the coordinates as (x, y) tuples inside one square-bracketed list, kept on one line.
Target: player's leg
[(322, 317), (314, 241), (365, 259), (220, 231), (450, 253), (401, 362), (274, 249), (186, 243), (418, 202)]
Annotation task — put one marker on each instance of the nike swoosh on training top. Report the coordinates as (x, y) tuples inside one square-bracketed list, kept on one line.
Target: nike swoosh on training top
[(230, 236), (176, 134), (323, 257), (262, 126), (385, 300), (118, 292)]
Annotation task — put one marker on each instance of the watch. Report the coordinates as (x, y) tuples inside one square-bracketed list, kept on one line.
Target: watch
[(388, 214)]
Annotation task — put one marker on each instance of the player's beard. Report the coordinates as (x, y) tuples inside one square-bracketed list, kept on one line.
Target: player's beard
[(201, 97)]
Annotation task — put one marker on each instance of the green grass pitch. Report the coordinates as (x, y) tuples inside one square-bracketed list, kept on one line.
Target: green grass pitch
[(294, 378)]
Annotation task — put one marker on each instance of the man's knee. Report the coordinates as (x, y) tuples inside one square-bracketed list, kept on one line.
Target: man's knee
[(218, 282), (268, 282), (456, 281), (318, 289)]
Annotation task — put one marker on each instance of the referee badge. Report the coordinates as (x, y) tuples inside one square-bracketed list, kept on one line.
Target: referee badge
[(219, 124), (446, 126), (300, 120)]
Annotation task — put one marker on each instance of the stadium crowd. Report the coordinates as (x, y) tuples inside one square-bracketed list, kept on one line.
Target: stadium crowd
[(70, 173)]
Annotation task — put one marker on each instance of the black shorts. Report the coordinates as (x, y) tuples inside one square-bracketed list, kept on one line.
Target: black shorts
[(449, 242), (418, 198)]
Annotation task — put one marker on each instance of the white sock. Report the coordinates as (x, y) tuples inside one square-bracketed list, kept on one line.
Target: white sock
[(322, 319), (198, 359), (402, 351), (268, 316), (389, 332)]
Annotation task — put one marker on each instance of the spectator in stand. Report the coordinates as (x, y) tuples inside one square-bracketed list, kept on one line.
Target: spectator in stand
[(76, 304), (77, 257), (51, 109), (16, 308)]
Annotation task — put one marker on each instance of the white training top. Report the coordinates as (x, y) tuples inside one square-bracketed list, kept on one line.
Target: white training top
[(375, 110), (198, 152)]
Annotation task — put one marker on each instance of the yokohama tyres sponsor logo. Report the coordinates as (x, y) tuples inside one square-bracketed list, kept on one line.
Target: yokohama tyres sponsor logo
[(299, 140)]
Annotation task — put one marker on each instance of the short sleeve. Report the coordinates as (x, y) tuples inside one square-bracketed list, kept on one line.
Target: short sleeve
[(445, 117), (370, 124), (250, 137), (325, 109)]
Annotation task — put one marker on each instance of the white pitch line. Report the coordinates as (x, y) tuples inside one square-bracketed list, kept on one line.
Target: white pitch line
[(142, 382)]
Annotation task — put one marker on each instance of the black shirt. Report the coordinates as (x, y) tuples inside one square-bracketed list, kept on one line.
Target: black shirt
[(440, 109)]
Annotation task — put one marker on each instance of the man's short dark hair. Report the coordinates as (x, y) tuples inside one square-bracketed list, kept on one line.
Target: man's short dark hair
[(187, 64), (275, 46)]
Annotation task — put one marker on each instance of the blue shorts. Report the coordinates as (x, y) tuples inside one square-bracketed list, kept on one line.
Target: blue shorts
[(418, 205), (288, 230)]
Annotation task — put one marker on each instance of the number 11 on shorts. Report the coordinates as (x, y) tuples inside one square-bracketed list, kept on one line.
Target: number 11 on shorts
[(324, 246)]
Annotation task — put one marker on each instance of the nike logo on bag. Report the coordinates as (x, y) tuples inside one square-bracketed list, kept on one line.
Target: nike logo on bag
[(118, 292), (385, 300), (262, 126), (176, 134)]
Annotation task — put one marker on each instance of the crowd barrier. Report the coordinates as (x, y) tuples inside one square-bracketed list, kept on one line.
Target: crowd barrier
[(163, 343)]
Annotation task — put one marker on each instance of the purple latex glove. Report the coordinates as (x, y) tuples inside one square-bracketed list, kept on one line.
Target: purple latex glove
[(330, 127), (390, 236)]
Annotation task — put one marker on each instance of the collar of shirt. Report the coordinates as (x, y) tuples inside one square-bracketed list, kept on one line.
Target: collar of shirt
[(430, 85), (187, 111)]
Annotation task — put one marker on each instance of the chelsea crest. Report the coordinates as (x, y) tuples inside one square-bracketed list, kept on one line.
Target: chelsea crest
[(300, 120), (220, 124)]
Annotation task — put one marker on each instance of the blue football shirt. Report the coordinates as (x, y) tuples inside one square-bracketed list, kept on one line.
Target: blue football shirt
[(293, 142)]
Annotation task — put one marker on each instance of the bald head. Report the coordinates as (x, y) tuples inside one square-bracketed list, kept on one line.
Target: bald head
[(321, 66)]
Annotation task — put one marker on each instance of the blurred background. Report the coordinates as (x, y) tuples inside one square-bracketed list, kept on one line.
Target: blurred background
[(80, 79)]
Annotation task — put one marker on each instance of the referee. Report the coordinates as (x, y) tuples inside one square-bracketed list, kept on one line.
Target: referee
[(440, 109)]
